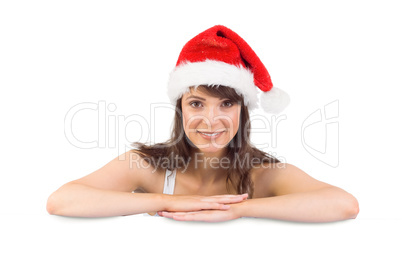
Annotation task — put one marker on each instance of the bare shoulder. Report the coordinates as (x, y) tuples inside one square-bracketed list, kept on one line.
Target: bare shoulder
[(126, 172), (139, 167), (149, 178), (274, 179), (263, 177)]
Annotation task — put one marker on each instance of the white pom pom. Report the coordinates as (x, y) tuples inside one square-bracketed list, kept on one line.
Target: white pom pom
[(274, 101)]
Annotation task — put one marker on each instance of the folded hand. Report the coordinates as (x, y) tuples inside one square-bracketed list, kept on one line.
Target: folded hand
[(204, 215)]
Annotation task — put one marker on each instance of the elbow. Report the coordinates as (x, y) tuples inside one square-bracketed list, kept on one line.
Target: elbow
[(351, 207), (51, 205), (57, 202)]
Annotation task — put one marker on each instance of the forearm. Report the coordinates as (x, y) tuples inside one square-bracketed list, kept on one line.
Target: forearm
[(79, 200), (325, 205)]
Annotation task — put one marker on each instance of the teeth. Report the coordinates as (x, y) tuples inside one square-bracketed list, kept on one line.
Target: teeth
[(214, 134)]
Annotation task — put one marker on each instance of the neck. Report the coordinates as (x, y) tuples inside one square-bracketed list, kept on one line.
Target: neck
[(208, 168)]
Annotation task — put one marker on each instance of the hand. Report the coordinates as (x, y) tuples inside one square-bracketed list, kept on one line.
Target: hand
[(204, 215), (191, 203)]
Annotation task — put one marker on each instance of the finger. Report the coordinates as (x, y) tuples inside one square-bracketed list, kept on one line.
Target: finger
[(230, 195), (227, 200), (171, 215), (204, 216), (225, 195), (214, 205), (181, 218), (165, 214), (188, 216)]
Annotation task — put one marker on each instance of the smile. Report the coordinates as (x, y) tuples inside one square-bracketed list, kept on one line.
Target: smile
[(210, 134)]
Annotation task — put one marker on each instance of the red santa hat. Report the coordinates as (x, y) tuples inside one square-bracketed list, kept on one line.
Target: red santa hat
[(219, 56)]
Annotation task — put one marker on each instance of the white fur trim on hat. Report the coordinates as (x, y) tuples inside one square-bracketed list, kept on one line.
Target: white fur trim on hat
[(212, 73), (274, 101)]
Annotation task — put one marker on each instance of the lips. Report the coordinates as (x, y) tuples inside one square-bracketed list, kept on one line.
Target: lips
[(210, 133)]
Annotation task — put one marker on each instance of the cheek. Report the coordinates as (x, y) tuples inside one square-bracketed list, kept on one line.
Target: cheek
[(189, 121), (234, 121)]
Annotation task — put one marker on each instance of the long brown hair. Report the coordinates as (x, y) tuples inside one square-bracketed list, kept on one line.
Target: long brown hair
[(242, 154)]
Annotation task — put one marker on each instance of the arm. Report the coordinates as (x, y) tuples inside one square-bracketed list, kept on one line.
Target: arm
[(298, 197), (285, 193), (108, 192), (79, 200), (324, 205)]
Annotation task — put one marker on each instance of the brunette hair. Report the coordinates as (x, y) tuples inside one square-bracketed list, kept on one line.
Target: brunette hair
[(239, 148)]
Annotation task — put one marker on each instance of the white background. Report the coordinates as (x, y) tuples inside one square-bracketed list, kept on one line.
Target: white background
[(55, 55)]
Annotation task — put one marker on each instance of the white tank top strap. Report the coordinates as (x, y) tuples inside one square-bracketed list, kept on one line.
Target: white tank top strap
[(170, 179), (168, 188)]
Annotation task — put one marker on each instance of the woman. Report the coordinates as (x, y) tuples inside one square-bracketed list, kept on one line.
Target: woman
[(208, 170)]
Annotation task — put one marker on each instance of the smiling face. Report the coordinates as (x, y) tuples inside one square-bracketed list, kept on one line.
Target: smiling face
[(209, 122)]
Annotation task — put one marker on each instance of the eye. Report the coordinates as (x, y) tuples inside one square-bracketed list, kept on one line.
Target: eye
[(228, 103), (195, 104)]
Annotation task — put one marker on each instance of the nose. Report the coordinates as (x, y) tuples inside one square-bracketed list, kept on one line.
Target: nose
[(211, 115), (215, 119)]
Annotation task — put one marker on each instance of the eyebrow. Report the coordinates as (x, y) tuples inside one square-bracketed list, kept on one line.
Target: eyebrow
[(196, 97)]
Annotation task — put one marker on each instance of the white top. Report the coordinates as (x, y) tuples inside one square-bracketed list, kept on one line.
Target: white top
[(170, 179), (168, 188)]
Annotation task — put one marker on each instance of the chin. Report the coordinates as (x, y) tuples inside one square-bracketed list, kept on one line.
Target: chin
[(211, 149), (212, 146)]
